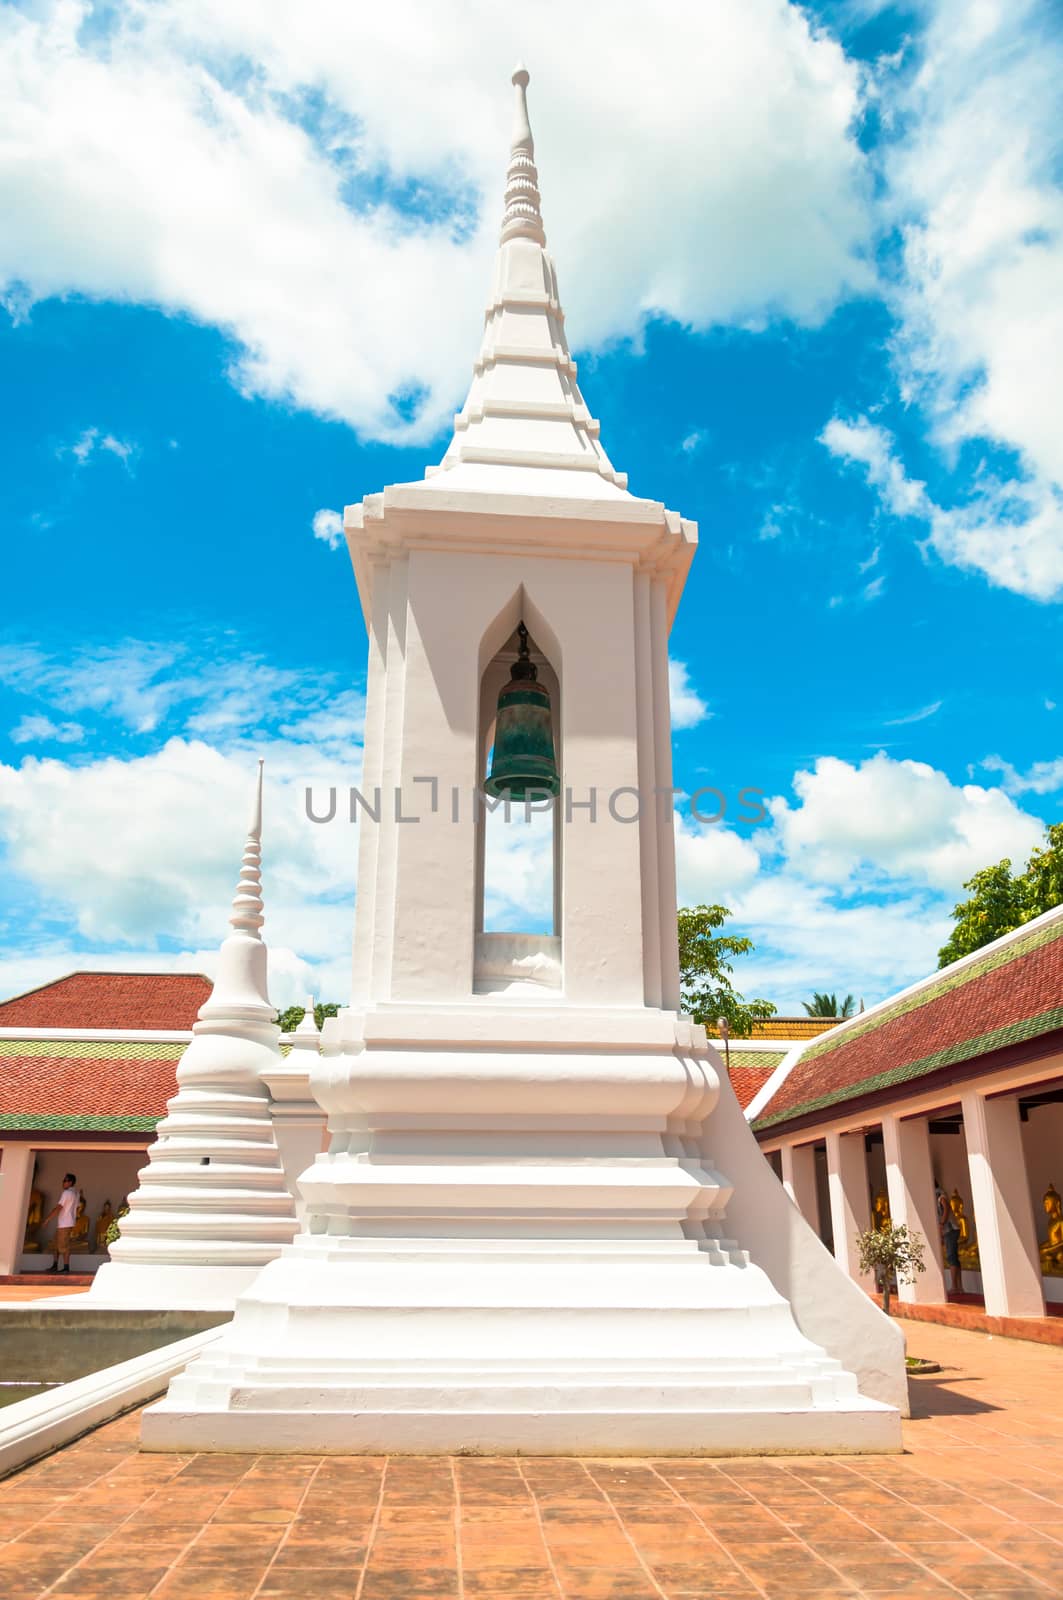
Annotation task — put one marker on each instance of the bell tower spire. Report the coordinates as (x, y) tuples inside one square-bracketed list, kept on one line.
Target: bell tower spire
[(524, 409), (523, 217)]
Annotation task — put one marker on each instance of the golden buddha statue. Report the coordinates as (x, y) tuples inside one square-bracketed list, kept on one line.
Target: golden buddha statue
[(1052, 1249), (79, 1239), (99, 1234), (880, 1211), (34, 1213), (966, 1246)]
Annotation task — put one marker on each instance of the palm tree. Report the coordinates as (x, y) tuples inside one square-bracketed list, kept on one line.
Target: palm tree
[(826, 1005)]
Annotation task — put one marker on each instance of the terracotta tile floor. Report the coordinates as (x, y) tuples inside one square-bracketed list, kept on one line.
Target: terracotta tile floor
[(975, 1508)]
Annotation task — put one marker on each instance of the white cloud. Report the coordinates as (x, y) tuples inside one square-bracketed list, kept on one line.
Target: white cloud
[(973, 181), (140, 684), (851, 886), (915, 716), (123, 681), (688, 708), (866, 444), (518, 871), (173, 817), (174, 824), (255, 165), (1010, 531), (902, 820), (693, 442), (712, 862), (92, 440), (1043, 777), (39, 730), (328, 525)]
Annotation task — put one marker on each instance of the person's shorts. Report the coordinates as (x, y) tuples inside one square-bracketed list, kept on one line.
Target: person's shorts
[(952, 1249), (62, 1238)]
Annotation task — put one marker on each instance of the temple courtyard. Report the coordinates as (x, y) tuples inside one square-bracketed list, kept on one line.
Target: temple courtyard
[(974, 1508)]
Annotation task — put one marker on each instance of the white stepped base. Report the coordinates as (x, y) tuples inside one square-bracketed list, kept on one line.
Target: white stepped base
[(167, 1287), (739, 1427), (515, 1347)]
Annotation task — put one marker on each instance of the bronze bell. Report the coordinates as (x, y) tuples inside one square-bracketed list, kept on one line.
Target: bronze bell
[(523, 765)]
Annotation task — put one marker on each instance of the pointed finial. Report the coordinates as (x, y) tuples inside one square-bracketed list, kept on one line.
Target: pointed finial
[(522, 134), (307, 1024), (247, 901), (522, 218)]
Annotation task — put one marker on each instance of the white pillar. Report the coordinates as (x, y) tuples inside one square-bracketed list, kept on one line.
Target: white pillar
[(850, 1199), (16, 1181), (799, 1180), (910, 1182), (1003, 1214)]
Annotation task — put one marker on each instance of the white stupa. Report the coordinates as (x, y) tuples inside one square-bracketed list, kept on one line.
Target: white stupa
[(212, 1206), (542, 1224)]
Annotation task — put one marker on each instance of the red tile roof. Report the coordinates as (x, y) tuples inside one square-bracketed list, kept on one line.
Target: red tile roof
[(747, 1081), (1011, 992), (750, 1069), (116, 1085), (119, 1000)]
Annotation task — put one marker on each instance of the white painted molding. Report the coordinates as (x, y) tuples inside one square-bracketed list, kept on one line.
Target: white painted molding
[(34, 1427)]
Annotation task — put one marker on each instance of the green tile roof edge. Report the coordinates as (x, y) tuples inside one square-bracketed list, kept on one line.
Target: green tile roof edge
[(756, 1058), (981, 1044), (46, 1120), (948, 981), (96, 1049)]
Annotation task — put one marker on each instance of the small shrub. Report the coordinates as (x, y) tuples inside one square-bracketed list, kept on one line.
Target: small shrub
[(890, 1252), (113, 1231)]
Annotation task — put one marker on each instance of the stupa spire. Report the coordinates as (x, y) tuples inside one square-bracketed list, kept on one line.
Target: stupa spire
[(213, 1205), (241, 983), (524, 408), (247, 913)]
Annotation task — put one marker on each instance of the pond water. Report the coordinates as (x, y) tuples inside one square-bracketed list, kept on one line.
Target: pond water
[(10, 1392)]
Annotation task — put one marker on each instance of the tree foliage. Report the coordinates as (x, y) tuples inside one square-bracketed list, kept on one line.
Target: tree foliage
[(290, 1019), (891, 1252), (705, 971), (1001, 900), (828, 1005)]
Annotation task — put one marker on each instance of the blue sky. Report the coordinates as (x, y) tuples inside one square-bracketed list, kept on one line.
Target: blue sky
[(813, 270)]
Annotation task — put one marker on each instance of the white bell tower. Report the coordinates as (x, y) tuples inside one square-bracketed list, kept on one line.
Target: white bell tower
[(525, 1235)]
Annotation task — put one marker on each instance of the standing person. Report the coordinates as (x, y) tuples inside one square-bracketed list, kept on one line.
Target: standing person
[(66, 1208), (950, 1238)]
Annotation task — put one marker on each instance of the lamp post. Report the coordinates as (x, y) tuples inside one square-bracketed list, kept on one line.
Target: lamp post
[(725, 1034)]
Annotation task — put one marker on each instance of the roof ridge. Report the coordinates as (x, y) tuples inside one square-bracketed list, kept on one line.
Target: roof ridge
[(97, 972)]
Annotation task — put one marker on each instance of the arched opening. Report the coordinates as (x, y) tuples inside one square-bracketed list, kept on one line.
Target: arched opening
[(519, 843)]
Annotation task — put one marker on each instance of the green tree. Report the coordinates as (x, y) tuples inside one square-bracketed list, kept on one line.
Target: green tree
[(890, 1252), (826, 1005), (290, 1018), (1001, 900), (1044, 873), (705, 972)]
